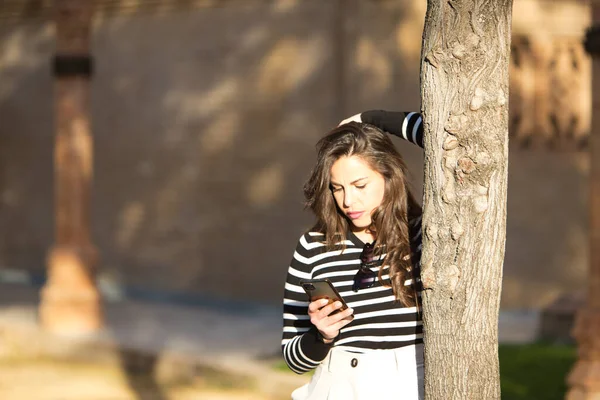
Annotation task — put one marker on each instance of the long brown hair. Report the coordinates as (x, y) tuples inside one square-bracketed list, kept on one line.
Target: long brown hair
[(389, 220)]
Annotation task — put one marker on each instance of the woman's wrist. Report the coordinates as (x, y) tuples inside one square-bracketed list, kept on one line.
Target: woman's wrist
[(323, 338), (327, 341)]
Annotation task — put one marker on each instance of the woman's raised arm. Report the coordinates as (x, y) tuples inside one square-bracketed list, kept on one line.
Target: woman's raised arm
[(407, 125)]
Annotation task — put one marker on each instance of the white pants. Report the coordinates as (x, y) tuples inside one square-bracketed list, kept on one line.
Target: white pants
[(381, 375)]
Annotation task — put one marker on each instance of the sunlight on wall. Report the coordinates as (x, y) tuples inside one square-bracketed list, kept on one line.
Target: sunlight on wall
[(196, 104), (254, 38), (275, 76), (20, 50), (374, 64), (582, 164), (266, 186), (283, 6), (13, 50), (126, 7), (191, 105), (534, 17), (410, 31), (220, 134), (129, 222)]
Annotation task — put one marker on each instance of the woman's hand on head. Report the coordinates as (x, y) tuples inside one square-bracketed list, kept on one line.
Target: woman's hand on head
[(328, 325), (354, 118)]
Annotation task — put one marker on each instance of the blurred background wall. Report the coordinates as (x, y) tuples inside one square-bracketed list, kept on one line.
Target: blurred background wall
[(205, 115)]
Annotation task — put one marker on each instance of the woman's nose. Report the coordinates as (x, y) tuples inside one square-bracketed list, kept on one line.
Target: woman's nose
[(348, 199)]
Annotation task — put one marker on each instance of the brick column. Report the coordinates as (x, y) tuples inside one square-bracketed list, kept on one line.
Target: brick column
[(584, 379), (70, 302)]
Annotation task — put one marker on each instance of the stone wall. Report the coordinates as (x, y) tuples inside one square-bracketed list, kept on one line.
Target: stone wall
[(205, 120)]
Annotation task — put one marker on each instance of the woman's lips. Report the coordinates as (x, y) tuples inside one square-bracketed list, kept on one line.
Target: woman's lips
[(355, 215)]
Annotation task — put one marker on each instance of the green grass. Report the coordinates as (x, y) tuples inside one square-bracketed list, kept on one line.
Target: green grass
[(528, 372), (536, 371)]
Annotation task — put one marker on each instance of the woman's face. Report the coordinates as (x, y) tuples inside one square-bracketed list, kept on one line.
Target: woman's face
[(357, 189)]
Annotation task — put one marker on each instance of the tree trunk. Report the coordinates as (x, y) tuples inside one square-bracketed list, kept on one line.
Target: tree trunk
[(70, 301), (584, 378), (464, 85)]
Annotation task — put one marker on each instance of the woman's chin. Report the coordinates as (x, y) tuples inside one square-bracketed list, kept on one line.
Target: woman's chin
[(360, 225)]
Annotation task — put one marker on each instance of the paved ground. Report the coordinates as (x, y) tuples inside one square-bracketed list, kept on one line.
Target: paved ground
[(43, 379), (148, 351), (159, 351)]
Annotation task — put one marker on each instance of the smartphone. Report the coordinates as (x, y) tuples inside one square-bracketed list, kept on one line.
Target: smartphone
[(323, 289)]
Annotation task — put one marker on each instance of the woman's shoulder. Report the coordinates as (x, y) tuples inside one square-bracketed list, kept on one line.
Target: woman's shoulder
[(312, 236), (309, 247), (310, 241)]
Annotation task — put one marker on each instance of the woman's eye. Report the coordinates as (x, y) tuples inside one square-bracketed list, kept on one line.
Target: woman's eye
[(335, 190), (361, 186)]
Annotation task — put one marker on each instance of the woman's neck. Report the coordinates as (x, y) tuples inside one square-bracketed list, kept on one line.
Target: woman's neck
[(365, 235)]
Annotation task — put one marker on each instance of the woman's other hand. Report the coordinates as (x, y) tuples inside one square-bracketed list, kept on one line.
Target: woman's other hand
[(328, 325), (355, 118)]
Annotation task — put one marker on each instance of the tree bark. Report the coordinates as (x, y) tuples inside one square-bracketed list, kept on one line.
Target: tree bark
[(70, 301), (464, 89), (584, 378)]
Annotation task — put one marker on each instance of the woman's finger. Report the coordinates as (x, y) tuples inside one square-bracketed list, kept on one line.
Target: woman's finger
[(340, 324), (326, 311), (331, 326), (316, 305), (330, 320), (346, 314)]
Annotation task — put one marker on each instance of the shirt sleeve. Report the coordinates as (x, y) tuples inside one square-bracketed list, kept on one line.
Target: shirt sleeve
[(407, 125), (301, 347)]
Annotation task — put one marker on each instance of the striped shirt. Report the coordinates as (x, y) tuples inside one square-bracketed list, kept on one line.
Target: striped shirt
[(406, 125), (380, 322)]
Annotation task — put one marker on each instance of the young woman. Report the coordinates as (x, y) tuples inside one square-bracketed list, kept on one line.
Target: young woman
[(367, 242)]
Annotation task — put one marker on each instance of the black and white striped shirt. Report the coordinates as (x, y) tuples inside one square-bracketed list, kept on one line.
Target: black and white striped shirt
[(380, 322), (407, 125)]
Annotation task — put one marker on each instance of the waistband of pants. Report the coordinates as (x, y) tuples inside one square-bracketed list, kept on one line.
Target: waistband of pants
[(340, 359)]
